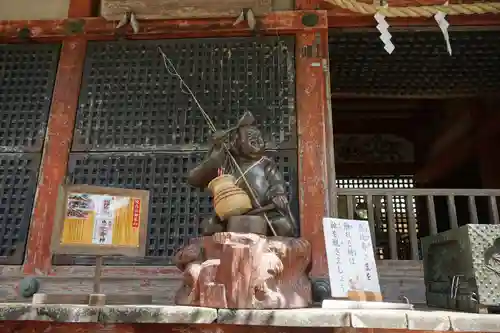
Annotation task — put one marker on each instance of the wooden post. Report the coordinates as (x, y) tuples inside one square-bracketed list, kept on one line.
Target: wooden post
[(307, 4), (55, 154), (312, 111), (98, 274), (80, 8)]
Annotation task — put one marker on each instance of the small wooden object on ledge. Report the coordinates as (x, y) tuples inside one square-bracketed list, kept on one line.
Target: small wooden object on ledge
[(363, 296), (96, 298)]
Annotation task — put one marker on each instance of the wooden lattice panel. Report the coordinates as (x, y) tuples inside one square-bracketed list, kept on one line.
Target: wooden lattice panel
[(420, 65), (137, 129)]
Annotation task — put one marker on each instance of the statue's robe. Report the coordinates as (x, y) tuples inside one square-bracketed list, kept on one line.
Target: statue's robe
[(261, 180)]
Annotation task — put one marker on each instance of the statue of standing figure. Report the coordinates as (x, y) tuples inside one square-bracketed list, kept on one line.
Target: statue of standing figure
[(255, 173)]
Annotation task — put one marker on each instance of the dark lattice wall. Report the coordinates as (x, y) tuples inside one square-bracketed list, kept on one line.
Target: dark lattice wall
[(137, 129), (27, 74), (419, 66)]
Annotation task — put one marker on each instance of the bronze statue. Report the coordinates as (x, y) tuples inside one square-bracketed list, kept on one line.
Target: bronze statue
[(256, 174)]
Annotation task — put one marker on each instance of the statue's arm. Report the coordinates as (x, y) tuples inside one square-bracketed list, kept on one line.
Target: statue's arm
[(202, 174)]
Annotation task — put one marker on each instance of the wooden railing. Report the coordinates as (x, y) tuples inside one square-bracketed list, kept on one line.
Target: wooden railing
[(399, 217)]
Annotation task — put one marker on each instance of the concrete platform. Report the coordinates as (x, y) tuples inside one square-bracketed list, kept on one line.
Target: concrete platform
[(357, 318), (313, 317)]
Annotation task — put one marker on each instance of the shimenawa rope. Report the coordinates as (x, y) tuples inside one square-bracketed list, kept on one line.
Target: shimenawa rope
[(418, 11)]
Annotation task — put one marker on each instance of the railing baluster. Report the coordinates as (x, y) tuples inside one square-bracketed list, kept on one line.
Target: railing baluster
[(380, 212), (393, 243), (335, 208), (473, 210), (419, 191), (452, 212), (350, 207), (342, 206), (494, 210), (412, 227), (431, 211), (371, 220), (377, 205)]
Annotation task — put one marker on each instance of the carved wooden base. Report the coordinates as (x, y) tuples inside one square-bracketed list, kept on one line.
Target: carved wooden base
[(245, 271)]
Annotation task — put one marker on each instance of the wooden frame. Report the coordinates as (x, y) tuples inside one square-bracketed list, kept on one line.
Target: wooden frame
[(99, 250), (96, 28), (311, 108)]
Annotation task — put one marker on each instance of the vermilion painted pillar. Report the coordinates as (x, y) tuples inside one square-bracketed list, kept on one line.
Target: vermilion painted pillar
[(314, 131), (57, 145), (80, 8), (55, 154), (307, 4), (316, 161)]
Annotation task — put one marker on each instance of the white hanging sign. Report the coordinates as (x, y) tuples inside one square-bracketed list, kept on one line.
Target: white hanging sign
[(349, 252)]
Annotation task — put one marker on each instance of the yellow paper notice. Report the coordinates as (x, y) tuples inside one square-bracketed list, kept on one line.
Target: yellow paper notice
[(101, 220)]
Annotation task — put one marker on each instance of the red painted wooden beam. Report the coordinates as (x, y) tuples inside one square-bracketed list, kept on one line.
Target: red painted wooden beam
[(307, 4), (80, 8), (312, 99), (288, 22), (55, 154)]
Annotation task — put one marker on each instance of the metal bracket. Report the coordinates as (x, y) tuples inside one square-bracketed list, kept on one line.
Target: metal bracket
[(320, 289), (455, 283)]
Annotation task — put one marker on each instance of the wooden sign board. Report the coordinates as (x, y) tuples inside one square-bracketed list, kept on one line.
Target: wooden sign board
[(187, 9), (351, 261), (93, 220)]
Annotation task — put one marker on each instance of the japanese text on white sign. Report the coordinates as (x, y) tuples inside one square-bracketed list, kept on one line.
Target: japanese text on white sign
[(351, 262)]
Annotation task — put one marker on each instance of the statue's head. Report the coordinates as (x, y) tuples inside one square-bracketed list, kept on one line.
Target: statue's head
[(249, 142)]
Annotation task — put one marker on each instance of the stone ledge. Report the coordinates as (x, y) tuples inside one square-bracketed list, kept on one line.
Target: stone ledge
[(383, 319), (430, 320), (108, 314)]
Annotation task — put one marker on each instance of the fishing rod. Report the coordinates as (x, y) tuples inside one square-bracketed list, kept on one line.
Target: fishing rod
[(169, 66)]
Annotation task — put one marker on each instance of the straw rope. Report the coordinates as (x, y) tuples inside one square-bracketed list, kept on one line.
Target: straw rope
[(418, 11)]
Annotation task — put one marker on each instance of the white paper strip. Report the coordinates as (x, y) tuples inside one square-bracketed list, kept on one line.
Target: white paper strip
[(385, 35), (440, 18)]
